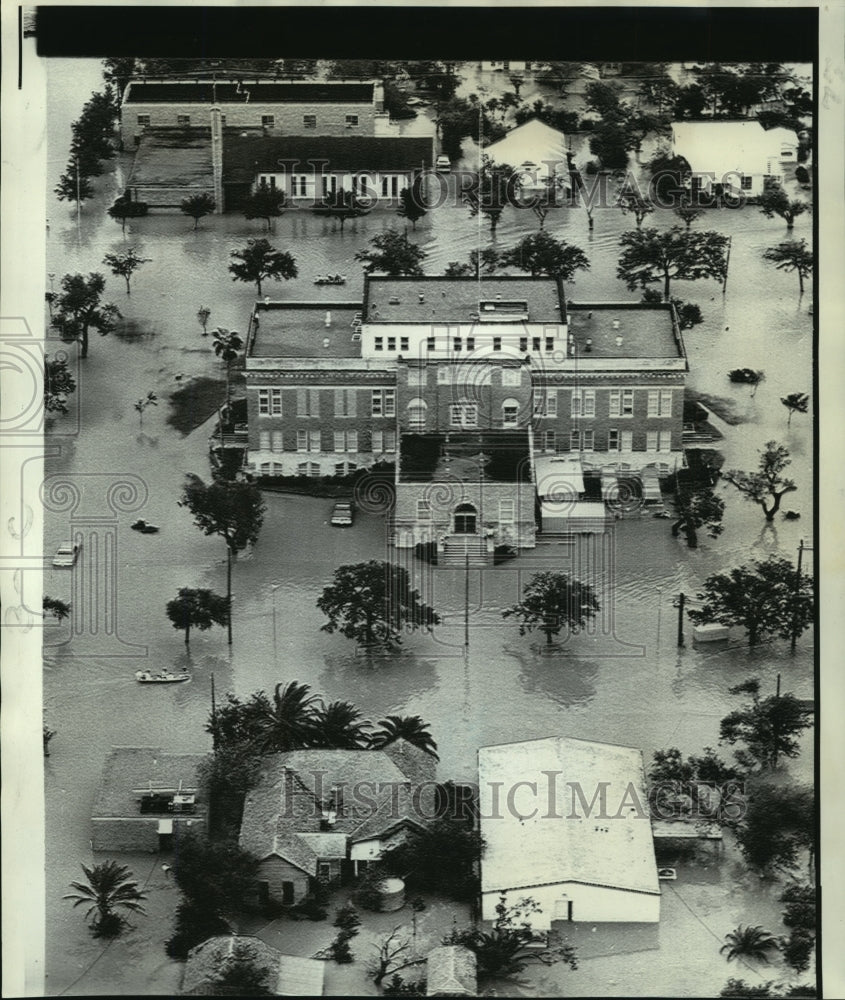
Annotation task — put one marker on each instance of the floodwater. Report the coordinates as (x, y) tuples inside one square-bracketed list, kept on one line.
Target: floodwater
[(628, 683)]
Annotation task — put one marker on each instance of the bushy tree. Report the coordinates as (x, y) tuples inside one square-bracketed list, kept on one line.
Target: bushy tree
[(265, 203), (125, 208), (197, 206), (79, 308), (753, 943), (240, 974), (197, 608), (391, 253), (258, 261), (795, 402), (214, 874), (410, 205), (793, 255), (59, 383), (58, 609), (552, 602), (769, 727), (491, 192), (540, 253), (779, 823), (108, 887), (767, 486), (74, 184), (125, 264), (775, 201), (633, 203), (695, 510), (649, 256), (611, 142), (442, 858)]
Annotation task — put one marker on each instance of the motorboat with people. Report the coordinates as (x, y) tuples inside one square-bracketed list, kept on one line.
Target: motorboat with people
[(144, 527), (162, 677), (330, 279)]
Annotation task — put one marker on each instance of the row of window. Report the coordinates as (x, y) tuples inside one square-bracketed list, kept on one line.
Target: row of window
[(617, 440), (267, 121), (312, 469), (382, 402), (459, 344), (391, 184), (381, 442)]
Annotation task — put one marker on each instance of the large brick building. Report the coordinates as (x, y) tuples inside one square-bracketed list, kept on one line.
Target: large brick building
[(493, 396)]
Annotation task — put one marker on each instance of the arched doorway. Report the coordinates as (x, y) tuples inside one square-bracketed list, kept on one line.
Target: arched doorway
[(466, 519)]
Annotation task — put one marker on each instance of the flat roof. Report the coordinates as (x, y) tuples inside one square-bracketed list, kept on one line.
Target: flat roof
[(647, 330), (128, 771), (173, 158), (250, 91), (554, 838), (298, 330), (452, 300)]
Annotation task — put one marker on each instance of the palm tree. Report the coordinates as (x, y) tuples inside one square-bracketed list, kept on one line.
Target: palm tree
[(110, 886), (339, 726), (289, 723), (404, 727), (227, 345), (749, 942)]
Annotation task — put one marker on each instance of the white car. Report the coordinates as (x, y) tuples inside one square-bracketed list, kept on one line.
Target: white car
[(66, 554), (342, 515), (443, 164)]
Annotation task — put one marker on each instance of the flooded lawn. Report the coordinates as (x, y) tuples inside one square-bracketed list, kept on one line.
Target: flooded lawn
[(628, 683)]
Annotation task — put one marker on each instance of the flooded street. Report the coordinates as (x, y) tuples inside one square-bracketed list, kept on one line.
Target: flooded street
[(629, 683)]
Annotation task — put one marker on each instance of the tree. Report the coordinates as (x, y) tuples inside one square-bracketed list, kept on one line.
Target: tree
[(374, 602), (79, 308), (265, 203), (393, 953), (739, 988), (552, 601), (799, 916), (667, 174), (196, 608), (690, 101), (649, 255), (343, 205), (747, 376), (410, 728), (632, 202), (59, 383), (442, 858), (74, 184), (125, 264), (766, 487), (779, 822), (775, 201), (795, 402), (259, 261), (610, 142), (214, 874), (540, 253), (605, 99), (197, 206), (410, 205), (239, 974), (108, 887), (792, 255), (340, 726), (485, 262), (749, 942), (290, 721), (491, 191), (698, 509), (767, 600), (58, 609), (203, 314), (125, 208), (228, 345), (232, 510), (768, 727), (559, 75), (687, 212), (391, 253)]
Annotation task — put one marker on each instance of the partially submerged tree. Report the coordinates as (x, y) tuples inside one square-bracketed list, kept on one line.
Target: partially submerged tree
[(374, 603), (228, 345), (391, 253), (777, 826), (74, 184), (795, 402), (196, 608), (651, 255), (259, 261), (793, 255), (79, 308), (265, 203), (125, 208), (774, 201), (197, 206), (767, 600), (633, 203), (484, 262), (687, 211), (203, 314), (767, 486), (753, 943), (58, 609), (125, 264), (695, 510), (769, 727), (491, 192), (410, 205), (552, 602), (232, 510), (59, 383), (410, 728), (540, 253), (151, 399), (109, 887)]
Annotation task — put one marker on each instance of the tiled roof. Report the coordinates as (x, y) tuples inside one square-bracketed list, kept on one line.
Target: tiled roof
[(263, 92), (205, 959), (450, 972), (130, 770), (246, 156), (173, 158)]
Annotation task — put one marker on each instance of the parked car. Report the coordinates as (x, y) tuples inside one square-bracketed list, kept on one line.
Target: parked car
[(66, 554), (443, 164), (342, 514)]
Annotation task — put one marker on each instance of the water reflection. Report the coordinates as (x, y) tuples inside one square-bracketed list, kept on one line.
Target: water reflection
[(568, 680), (378, 685)]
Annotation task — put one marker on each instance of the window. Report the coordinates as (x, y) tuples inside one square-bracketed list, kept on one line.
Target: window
[(308, 469), (308, 402), (143, 119), (463, 414), (470, 343), (535, 343), (222, 119), (497, 343), (403, 344), (507, 511), (384, 402), (384, 441), (309, 121), (510, 413), (589, 402), (263, 402), (746, 182), (588, 440), (615, 409), (268, 121), (627, 441), (263, 440), (378, 343), (416, 414), (345, 403), (384, 187), (551, 402), (443, 375), (651, 441), (583, 403), (391, 343), (550, 441), (183, 120), (511, 376), (264, 469), (665, 402), (307, 440), (665, 440), (456, 343), (523, 343), (362, 190), (575, 441), (430, 343), (545, 403), (351, 121), (416, 376), (313, 440), (653, 403), (627, 402), (344, 468), (394, 187), (550, 343), (423, 510), (613, 439), (346, 440), (278, 442), (298, 185)]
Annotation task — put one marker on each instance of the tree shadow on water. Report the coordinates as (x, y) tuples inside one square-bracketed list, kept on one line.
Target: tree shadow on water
[(377, 683), (565, 679)]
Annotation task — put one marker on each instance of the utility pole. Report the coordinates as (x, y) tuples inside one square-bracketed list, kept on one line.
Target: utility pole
[(795, 596), (466, 604), (727, 265), (775, 725), (213, 715), (78, 215), (229, 587), (681, 601)]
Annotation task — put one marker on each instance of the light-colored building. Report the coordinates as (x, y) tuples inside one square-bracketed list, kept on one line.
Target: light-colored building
[(320, 816), (539, 155), (739, 155), (287, 975), (566, 822), (146, 799)]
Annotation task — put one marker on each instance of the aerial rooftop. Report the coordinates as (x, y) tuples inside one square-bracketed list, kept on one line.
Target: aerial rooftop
[(173, 158), (624, 330), (302, 329), (250, 91), (132, 772), (450, 300)]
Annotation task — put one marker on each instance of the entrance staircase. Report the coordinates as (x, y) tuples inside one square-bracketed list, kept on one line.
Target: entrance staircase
[(460, 548)]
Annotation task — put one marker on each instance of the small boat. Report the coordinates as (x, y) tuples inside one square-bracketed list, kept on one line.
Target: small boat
[(163, 677), (144, 527), (330, 279)]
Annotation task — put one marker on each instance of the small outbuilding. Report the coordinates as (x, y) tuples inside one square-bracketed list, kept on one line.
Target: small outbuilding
[(539, 155), (451, 972), (286, 975)]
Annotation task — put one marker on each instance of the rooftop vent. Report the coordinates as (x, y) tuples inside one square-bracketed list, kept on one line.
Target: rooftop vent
[(394, 300), (326, 342), (328, 319), (618, 341), (616, 324)]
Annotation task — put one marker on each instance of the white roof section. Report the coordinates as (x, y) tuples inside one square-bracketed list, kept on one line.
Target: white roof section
[(559, 477), (533, 142), (725, 146), (300, 977), (563, 841)]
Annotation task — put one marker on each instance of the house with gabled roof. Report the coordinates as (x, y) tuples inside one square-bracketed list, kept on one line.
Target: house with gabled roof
[(319, 816), (286, 975), (539, 155)]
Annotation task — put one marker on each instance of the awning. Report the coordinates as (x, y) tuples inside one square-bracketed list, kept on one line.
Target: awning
[(559, 477), (563, 517)]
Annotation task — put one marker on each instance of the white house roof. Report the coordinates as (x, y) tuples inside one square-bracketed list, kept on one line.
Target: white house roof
[(533, 142), (725, 146), (564, 840)]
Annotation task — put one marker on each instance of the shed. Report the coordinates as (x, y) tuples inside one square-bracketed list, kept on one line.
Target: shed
[(537, 152), (287, 975), (451, 972)]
